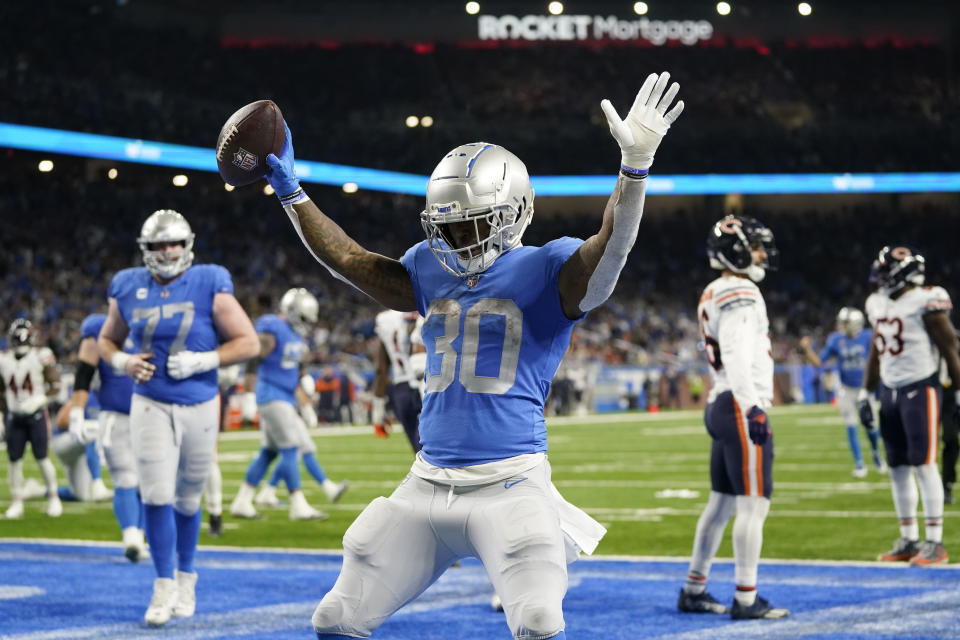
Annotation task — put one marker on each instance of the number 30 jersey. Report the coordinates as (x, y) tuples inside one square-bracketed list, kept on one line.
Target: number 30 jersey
[(906, 352), (736, 337), (167, 319), (492, 351)]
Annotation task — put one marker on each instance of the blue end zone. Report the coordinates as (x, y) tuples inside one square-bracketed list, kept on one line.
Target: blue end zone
[(65, 591)]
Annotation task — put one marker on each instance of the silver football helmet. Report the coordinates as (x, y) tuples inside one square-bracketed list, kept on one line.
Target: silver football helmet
[(484, 184), (166, 225), (301, 309), (850, 321)]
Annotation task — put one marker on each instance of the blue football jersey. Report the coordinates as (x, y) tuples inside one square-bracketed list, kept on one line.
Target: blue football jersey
[(167, 319), (492, 351), (115, 390), (850, 354), (279, 373)]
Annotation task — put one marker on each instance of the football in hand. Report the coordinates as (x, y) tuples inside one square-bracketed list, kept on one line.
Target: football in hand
[(245, 140)]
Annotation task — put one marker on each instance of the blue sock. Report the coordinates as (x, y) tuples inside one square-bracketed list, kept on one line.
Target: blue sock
[(258, 468), (291, 470), (874, 436), (310, 462), (143, 511), (275, 476), (65, 494), (188, 532), (854, 438), (162, 533), (126, 507), (93, 461)]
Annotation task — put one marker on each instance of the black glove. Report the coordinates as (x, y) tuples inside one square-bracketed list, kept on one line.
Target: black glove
[(758, 425), (865, 410)]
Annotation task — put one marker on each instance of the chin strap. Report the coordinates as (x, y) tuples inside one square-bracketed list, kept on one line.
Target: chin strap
[(626, 222)]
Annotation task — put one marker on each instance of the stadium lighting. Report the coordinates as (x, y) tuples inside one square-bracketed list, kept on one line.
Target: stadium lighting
[(45, 166), (473, 8), (412, 121), (555, 8), (180, 180), (640, 8), (112, 173), (350, 187), (228, 187), (268, 190), (426, 121), (804, 8), (723, 8)]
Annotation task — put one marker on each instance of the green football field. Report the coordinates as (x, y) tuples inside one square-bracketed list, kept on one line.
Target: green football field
[(644, 476)]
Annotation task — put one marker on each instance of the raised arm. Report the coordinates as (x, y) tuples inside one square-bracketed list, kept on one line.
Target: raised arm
[(589, 276), (383, 279)]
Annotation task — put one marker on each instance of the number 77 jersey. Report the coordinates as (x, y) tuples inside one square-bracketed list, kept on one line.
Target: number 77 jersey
[(494, 342), (736, 341)]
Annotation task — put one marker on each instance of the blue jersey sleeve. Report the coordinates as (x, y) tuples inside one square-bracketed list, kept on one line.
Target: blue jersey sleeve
[(411, 262), (558, 252), (266, 324), (91, 326), (830, 350), (222, 282)]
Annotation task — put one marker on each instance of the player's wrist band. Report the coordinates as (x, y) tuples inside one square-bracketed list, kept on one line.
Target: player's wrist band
[(630, 172), (297, 196)]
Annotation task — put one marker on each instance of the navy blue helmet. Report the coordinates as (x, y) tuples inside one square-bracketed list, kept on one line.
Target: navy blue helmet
[(731, 241), (896, 267)]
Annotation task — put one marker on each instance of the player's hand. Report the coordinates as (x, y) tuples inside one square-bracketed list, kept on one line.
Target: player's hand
[(865, 410), (805, 342), (135, 365), (184, 364), (378, 416), (758, 425), (309, 415), (639, 134), (248, 406), (281, 173)]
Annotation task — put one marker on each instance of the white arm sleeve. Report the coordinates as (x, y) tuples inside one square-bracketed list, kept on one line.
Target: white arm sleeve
[(738, 335), (295, 219), (626, 222)]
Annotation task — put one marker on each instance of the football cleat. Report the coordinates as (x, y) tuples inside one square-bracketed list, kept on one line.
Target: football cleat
[(15, 510), (99, 491), (301, 510), (902, 551), (134, 546), (496, 603), (54, 507), (699, 603), (186, 594), (760, 609), (267, 497), (930, 553), (162, 603), (244, 509), (860, 472), (336, 491), (216, 526)]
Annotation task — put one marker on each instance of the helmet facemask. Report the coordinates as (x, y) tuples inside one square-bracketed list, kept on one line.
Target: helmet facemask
[(166, 227), (485, 188)]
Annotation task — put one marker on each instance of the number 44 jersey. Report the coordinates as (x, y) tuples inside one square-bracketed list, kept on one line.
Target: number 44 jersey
[(494, 342), (168, 318), (906, 352), (736, 341)]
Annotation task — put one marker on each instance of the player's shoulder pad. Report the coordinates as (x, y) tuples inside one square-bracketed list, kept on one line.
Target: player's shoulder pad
[(90, 328), (218, 277), (733, 293), (267, 323), (128, 279), (936, 299), (46, 356)]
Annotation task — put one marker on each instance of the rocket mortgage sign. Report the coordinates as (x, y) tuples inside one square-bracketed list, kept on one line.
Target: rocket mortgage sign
[(571, 27)]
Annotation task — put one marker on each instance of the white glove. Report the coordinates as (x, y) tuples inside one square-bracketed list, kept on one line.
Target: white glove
[(308, 385), (309, 415), (184, 364), (640, 133), (248, 406), (82, 430)]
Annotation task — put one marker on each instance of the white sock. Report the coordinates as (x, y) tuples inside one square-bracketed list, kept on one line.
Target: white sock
[(16, 480), (214, 490), (720, 508), (747, 542), (931, 490), (49, 473), (905, 498)]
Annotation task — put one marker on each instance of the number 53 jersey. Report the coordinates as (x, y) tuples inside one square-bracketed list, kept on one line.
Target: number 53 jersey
[(167, 319), (906, 352), (494, 343)]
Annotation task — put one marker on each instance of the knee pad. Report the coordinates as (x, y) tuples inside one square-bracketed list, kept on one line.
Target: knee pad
[(157, 494), (187, 505), (328, 615), (539, 621), (124, 478), (371, 528)]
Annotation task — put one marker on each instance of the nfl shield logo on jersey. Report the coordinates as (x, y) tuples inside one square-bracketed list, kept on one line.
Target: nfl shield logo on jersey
[(472, 281), (244, 159)]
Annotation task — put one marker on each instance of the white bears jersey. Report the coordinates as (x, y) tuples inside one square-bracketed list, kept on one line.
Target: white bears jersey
[(736, 336), (393, 329), (873, 305), (23, 378), (907, 354)]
